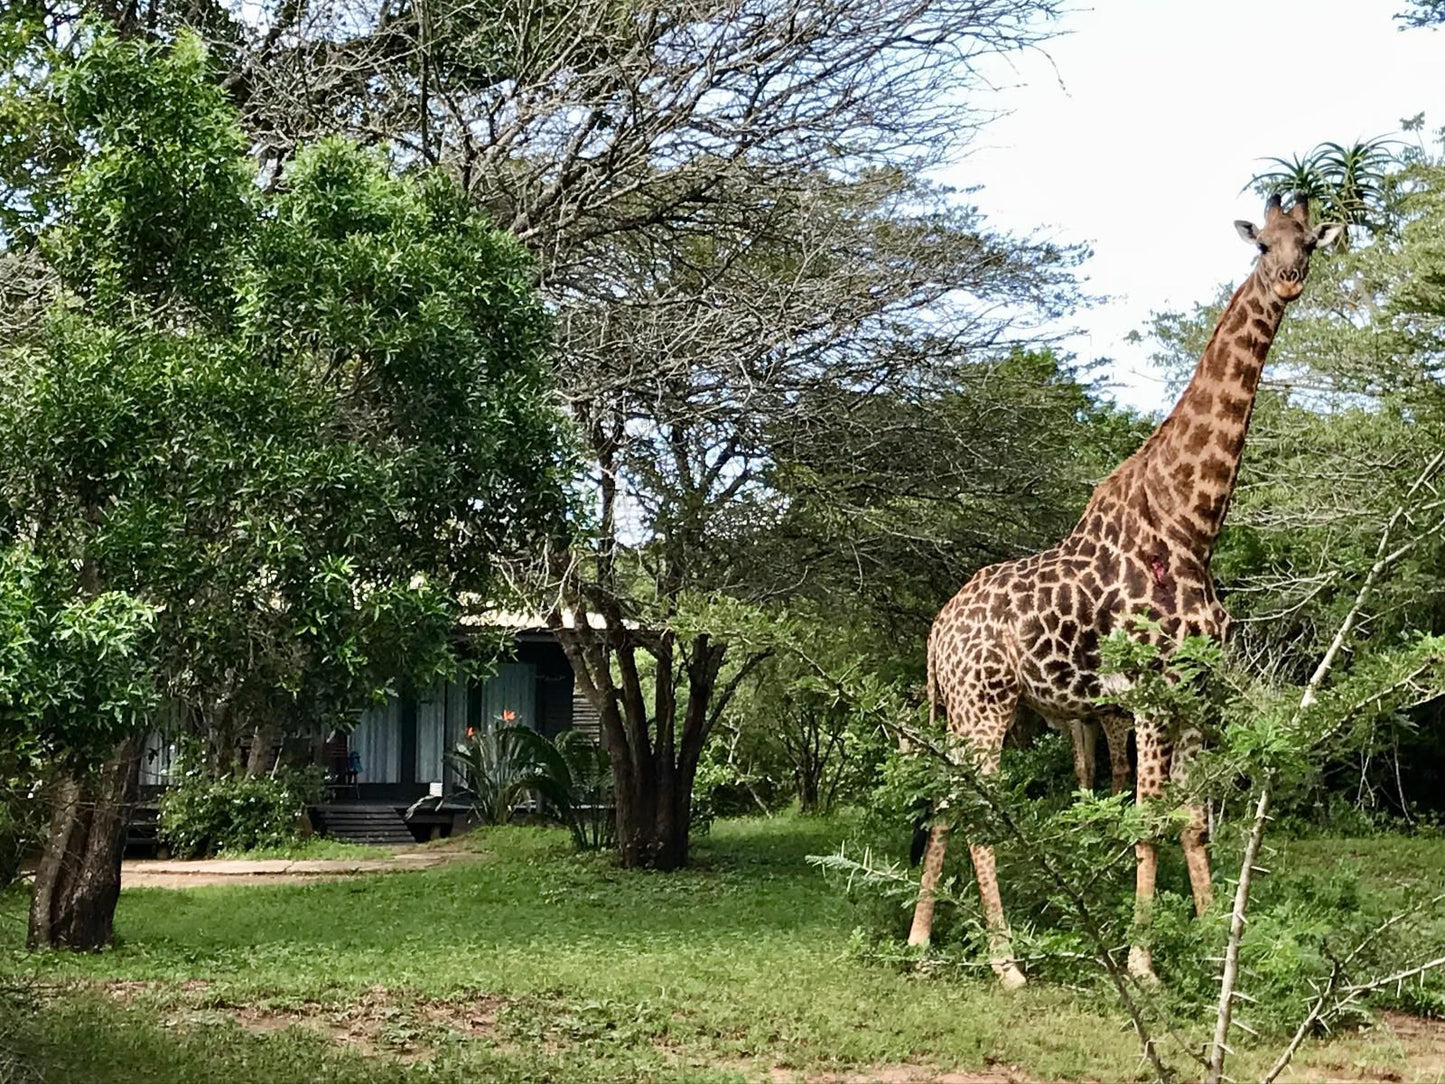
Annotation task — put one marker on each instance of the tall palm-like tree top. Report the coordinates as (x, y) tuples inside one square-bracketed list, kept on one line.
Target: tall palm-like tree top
[(1349, 184)]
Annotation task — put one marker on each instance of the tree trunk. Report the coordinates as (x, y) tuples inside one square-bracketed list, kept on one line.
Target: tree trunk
[(654, 760), (807, 790), (77, 882), (653, 821), (263, 753)]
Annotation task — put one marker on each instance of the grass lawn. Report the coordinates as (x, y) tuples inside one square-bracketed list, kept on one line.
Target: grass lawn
[(534, 964), (313, 847)]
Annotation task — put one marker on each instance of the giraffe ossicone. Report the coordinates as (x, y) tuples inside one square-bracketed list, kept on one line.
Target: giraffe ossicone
[(1028, 631)]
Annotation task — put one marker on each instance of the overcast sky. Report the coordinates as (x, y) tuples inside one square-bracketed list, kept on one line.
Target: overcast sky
[(1138, 130)]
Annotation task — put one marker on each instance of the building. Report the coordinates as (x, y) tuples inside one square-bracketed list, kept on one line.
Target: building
[(399, 748), (396, 755)]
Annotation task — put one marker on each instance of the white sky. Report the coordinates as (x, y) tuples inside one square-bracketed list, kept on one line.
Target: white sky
[(1138, 130)]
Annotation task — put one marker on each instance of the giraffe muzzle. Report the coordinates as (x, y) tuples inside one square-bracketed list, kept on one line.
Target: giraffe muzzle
[(1289, 284)]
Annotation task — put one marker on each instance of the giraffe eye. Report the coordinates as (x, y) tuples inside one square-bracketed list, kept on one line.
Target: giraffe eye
[(1262, 246)]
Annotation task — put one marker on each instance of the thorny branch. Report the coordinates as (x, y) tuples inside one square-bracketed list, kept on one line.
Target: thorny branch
[(1385, 558)]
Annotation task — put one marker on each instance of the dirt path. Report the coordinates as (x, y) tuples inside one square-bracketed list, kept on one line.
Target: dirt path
[(168, 873)]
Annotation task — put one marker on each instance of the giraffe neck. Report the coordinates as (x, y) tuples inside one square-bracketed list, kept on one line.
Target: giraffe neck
[(1182, 477)]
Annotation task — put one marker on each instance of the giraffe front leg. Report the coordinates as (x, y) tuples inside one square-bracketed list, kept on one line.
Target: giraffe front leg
[(1192, 838), (1083, 737), (1153, 761), (922, 929), (1116, 734), (988, 738)]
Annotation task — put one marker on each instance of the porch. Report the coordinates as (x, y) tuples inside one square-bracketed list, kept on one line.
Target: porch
[(387, 824)]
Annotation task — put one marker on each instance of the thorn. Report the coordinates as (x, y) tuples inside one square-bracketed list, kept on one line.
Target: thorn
[(1246, 997), (1260, 870), (1245, 1027)]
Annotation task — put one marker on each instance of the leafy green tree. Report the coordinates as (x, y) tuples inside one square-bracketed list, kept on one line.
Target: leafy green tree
[(896, 496), (294, 428)]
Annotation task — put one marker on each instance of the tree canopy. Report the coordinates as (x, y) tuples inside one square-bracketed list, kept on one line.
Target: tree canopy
[(272, 437)]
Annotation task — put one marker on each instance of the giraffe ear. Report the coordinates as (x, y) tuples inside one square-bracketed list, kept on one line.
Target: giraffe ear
[(1327, 234), (1247, 230)]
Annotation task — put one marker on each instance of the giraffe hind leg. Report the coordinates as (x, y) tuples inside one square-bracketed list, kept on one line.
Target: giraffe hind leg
[(982, 725)]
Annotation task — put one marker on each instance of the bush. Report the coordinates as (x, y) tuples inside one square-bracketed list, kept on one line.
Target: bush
[(496, 767), (573, 777), (203, 815), (22, 826)]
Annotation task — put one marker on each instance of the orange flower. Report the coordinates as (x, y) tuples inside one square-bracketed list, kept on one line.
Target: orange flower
[(509, 716)]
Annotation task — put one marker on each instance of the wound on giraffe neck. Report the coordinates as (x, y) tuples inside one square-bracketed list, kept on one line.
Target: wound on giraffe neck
[(1160, 568)]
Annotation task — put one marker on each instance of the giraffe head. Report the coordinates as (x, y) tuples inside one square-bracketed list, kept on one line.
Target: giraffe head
[(1285, 243)]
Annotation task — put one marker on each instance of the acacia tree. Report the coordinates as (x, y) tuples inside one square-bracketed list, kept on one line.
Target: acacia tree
[(724, 206), (697, 393), (290, 429)]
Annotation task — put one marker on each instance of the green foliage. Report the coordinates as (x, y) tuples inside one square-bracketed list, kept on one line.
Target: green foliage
[(202, 815), (298, 422), (1349, 185), (573, 777), (153, 215), (709, 787), (501, 765), (807, 722), (73, 677), (895, 497), (1166, 681), (497, 765)]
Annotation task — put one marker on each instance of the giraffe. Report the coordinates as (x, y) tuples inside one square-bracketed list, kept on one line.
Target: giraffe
[(1028, 631), (1084, 736)]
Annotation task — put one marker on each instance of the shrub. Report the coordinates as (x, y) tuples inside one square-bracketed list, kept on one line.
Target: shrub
[(203, 815), (573, 776), (496, 767), (22, 825), (712, 787)]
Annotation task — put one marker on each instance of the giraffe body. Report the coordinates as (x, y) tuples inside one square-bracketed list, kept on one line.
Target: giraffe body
[(1028, 631)]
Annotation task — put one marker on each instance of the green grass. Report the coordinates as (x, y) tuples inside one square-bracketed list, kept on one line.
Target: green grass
[(313, 847), (537, 964)]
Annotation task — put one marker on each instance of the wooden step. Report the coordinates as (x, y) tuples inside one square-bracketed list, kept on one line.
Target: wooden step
[(380, 825)]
